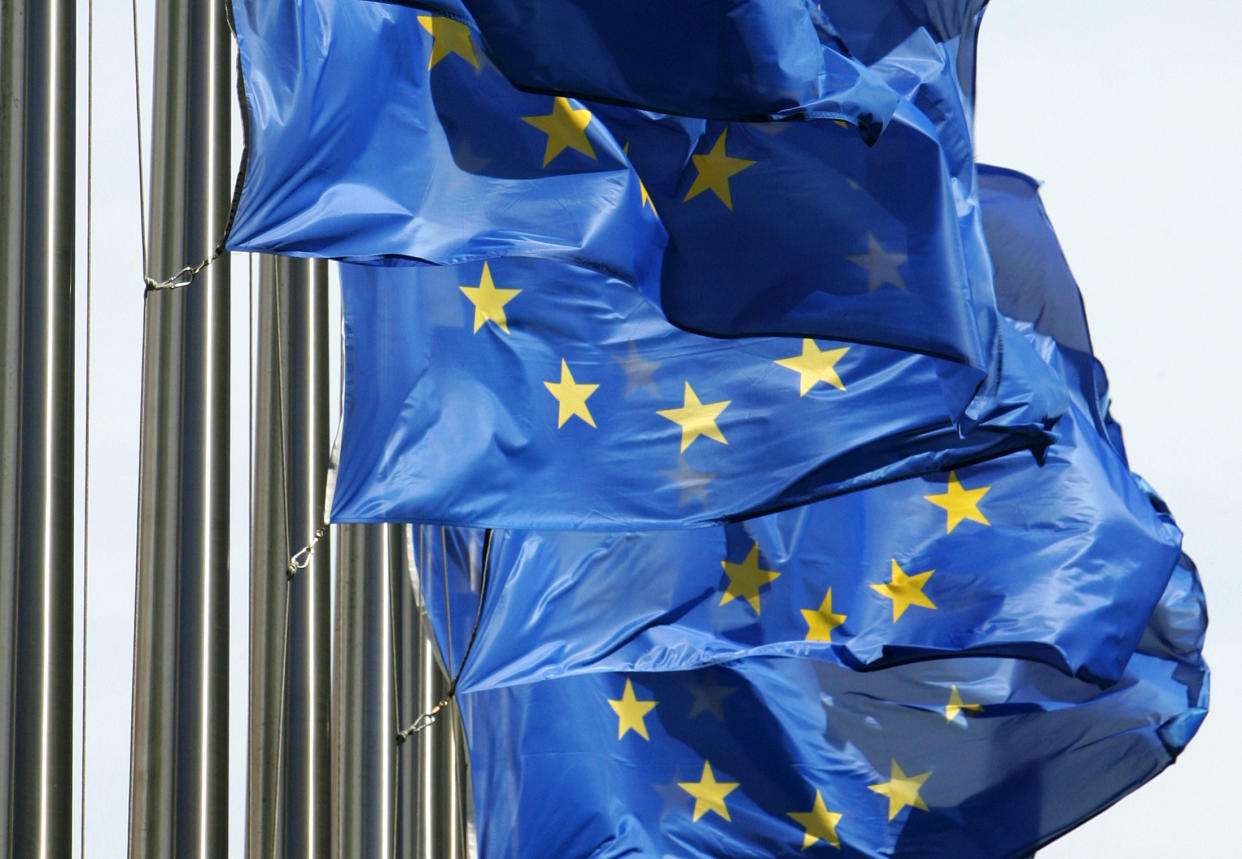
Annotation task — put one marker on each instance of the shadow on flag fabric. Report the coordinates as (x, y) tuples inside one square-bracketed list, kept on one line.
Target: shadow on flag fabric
[(425, 153), (737, 60), (1059, 562), (530, 393), (975, 757)]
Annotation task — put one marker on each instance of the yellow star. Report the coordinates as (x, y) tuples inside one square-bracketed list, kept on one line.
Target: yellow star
[(708, 793), (449, 37), (822, 621), (630, 712), (715, 168), (571, 397), (565, 127), (746, 578), (960, 503), (820, 823), (489, 302), (957, 705), (902, 790), (696, 418), (905, 591), (815, 365)]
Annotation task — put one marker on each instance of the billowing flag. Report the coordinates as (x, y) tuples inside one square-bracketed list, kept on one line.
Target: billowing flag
[(527, 393), (1060, 563), (764, 756), (794, 225), (741, 60)]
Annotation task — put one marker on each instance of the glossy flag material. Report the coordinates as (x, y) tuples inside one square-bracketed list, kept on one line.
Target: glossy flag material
[(384, 134), (1060, 563), (737, 60), (979, 757), (533, 394), (871, 30)]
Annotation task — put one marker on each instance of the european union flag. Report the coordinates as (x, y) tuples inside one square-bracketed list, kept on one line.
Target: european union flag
[(528, 393), (1060, 563), (741, 60), (375, 134), (764, 756), (426, 153)]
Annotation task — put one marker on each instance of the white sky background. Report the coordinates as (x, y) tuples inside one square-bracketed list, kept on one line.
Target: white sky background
[(1124, 108)]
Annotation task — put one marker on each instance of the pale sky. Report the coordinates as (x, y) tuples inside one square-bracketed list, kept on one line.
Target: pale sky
[(1123, 107)]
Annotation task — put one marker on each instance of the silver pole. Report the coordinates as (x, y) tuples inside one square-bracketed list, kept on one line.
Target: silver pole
[(431, 793), (179, 749), (364, 715), (37, 47), (288, 775)]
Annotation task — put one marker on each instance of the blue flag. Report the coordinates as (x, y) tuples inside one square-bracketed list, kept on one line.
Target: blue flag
[(980, 757), (1015, 547), (426, 153), (871, 30), (1034, 285), (528, 393), (1060, 563), (742, 60)]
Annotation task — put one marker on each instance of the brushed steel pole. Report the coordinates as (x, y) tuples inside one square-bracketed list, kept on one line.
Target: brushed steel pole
[(179, 748), (364, 715), (37, 141), (288, 774)]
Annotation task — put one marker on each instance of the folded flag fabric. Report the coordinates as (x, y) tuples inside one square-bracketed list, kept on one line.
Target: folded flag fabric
[(425, 153), (738, 60), (529, 393), (871, 30), (979, 757), (1060, 563)]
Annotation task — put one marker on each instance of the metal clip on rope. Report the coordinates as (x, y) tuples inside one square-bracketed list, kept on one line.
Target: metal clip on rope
[(185, 276), (422, 722), (302, 558)]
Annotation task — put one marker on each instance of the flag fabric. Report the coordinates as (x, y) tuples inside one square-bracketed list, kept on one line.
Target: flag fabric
[(766, 756), (529, 393), (370, 138), (743, 60), (795, 226), (1060, 563), (1034, 285), (869, 31)]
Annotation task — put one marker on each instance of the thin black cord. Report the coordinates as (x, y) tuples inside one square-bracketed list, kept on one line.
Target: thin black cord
[(429, 718)]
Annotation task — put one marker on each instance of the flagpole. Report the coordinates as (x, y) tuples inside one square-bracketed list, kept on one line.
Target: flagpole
[(37, 140), (288, 777), (364, 723), (432, 787), (179, 748)]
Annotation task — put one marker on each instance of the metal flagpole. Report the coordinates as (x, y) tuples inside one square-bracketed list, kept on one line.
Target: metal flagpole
[(364, 752), (179, 749), (37, 140), (431, 792), (288, 774)]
